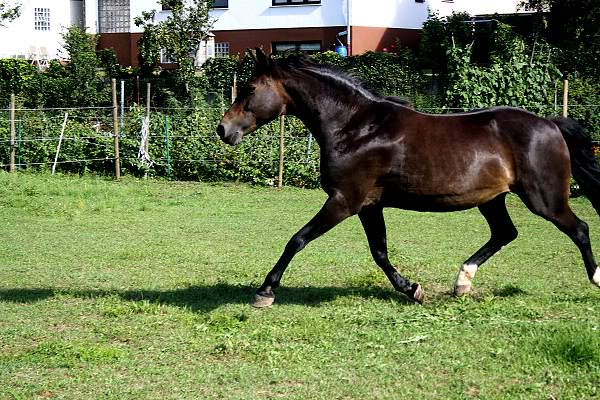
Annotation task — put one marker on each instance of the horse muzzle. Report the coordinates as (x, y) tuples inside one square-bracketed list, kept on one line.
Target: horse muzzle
[(230, 136)]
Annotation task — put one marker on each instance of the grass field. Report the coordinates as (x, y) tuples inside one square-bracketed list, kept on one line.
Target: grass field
[(141, 290)]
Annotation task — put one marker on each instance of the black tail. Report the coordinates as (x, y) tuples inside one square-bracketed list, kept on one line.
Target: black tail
[(584, 167)]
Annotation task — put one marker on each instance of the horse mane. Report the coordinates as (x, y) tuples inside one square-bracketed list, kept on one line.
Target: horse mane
[(301, 66)]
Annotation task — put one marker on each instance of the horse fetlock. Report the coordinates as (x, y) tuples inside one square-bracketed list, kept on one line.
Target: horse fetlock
[(461, 290), (416, 293), (596, 277), (464, 280)]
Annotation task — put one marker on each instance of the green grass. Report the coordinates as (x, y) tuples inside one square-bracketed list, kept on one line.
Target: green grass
[(141, 290)]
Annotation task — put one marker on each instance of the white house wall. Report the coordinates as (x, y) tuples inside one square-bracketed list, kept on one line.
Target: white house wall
[(241, 15), (475, 7), (19, 35), (260, 14), (389, 13)]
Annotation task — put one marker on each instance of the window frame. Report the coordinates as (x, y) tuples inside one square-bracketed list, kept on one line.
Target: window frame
[(284, 3), (220, 49), (41, 21), (297, 45), (169, 7), (220, 6)]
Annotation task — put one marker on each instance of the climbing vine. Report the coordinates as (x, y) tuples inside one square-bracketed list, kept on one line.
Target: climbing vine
[(517, 76)]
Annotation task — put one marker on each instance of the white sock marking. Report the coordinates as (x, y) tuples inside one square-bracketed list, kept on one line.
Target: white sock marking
[(466, 275), (596, 277)]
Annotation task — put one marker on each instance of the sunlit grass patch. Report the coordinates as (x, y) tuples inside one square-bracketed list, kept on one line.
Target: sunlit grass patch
[(573, 345), (61, 354), (142, 290)]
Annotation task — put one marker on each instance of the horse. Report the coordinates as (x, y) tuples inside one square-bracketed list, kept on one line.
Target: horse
[(378, 152)]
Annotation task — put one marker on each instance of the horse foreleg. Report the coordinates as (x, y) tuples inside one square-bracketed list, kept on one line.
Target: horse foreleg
[(374, 225), (503, 232), (334, 211)]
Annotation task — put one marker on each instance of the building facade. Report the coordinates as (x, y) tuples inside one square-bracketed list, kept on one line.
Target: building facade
[(274, 25), (37, 33)]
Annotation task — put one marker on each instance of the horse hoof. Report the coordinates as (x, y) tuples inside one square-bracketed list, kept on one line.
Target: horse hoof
[(417, 294), (262, 301), (461, 290)]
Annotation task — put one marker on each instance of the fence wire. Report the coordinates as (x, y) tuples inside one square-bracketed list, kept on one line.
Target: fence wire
[(182, 143)]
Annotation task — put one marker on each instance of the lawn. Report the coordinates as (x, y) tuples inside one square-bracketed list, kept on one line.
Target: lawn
[(141, 290)]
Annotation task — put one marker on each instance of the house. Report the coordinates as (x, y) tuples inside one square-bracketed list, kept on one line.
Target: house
[(354, 26), (37, 34)]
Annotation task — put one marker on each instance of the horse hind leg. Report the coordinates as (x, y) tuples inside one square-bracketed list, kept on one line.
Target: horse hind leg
[(555, 208), (503, 232)]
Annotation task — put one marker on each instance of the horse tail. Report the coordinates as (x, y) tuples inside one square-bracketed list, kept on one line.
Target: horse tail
[(584, 167)]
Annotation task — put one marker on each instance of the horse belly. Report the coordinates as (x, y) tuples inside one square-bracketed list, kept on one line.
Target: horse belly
[(447, 189), (436, 202)]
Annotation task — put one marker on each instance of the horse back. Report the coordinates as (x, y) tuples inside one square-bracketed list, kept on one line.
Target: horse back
[(457, 161)]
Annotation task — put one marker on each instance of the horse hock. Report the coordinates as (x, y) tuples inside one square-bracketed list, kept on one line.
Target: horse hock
[(464, 279)]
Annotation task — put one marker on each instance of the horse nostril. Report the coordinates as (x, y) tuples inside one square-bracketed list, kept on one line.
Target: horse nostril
[(221, 131)]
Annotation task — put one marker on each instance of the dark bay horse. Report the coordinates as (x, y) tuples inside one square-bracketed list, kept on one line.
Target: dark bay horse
[(376, 153)]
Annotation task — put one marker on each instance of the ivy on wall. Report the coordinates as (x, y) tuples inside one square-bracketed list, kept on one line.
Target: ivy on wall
[(515, 77)]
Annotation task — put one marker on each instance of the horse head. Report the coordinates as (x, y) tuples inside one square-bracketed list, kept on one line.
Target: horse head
[(260, 101)]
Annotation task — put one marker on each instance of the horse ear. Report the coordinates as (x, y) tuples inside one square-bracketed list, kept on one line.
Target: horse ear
[(252, 54), (263, 62)]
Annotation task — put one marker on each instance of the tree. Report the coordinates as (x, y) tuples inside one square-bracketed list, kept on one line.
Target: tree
[(438, 35), (572, 26), (81, 69), (180, 35), (8, 12)]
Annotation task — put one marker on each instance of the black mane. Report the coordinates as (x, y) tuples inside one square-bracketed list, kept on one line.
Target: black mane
[(338, 78), (295, 65)]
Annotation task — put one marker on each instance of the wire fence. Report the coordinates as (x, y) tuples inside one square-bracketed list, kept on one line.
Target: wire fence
[(181, 143)]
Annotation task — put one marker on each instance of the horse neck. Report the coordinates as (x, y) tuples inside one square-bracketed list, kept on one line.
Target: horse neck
[(325, 110)]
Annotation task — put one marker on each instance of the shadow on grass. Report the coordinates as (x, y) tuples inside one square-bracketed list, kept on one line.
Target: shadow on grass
[(508, 291), (206, 298)]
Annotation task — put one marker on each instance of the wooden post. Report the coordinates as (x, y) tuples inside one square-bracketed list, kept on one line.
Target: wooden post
[(60, 139), (146, 142), (234, 88), (137, 89), (281, 151), (13, 147), (565, 98), (167, 146), (116, 129), (222, 102), (122, 107)]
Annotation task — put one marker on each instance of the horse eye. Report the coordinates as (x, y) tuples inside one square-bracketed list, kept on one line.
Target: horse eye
[(246, 91)]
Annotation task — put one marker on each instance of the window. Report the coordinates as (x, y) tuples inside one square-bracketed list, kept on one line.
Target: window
[(169, 5), (294, 2), (42, 19), (215, 4), (165, 57), (220, 4), (297, 47), (113, 16), (222, 49)]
